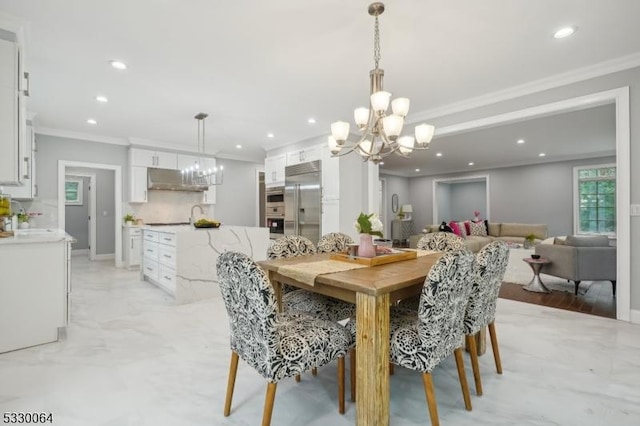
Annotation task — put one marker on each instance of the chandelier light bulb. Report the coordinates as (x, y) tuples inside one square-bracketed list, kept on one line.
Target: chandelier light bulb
[(400, 106), (333, 145), (380, 101), (406, 144), (361, 116), (364, 148), (340, 131), (424, 133), (392, 125)]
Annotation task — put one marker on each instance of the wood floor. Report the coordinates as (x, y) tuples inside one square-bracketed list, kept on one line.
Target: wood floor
[(598, 300)]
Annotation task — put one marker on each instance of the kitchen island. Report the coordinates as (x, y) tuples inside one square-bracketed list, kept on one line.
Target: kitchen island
[(181, 260), (35, 285)]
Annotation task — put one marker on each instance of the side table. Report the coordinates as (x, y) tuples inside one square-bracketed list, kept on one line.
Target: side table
[(536, 285)]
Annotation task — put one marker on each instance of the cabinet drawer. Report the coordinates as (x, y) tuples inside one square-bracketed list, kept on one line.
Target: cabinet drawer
[(167, 279), (168, 239), (167, 256), (135, 232), (151, 236), (150, 269), (150, 250)]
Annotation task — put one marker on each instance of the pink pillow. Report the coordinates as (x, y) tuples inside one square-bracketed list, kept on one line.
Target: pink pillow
[(467, 226), (456, 229)]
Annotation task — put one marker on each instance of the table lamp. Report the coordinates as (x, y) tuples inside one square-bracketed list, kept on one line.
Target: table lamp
[(407, 209)]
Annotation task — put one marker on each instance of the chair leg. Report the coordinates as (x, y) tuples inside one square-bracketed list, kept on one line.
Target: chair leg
[(314, 371), (233, 369), (494, 346), (391, 369), (429, 391), (613, 283), (352, 374), (463, 378), (577, 284), (473, 352), (341, 385), (268, 404), (297, 378)]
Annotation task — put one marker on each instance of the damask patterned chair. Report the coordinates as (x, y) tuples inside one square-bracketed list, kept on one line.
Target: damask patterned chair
[(277, 345), (441, 241), (421, 339), (488, 271), (334, 242)]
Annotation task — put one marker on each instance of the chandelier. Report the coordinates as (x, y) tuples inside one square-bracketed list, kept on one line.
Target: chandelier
[(200, 173), (380, 133)]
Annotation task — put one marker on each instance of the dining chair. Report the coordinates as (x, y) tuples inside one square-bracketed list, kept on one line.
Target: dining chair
[(277, 345), (488, 272), (441, 241), (421, 339), (334, 242)]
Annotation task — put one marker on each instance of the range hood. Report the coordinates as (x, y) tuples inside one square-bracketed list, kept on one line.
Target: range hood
[(170, 180)]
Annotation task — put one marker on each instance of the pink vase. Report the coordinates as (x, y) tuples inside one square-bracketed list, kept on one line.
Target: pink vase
[(366, 248)]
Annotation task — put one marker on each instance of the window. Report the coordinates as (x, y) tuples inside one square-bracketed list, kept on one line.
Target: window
[(595, 206)]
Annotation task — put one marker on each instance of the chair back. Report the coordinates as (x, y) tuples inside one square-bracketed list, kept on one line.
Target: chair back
[(441, 241), (251, 306), (290, 246), (488, 272), (442, 306), (334, 242)]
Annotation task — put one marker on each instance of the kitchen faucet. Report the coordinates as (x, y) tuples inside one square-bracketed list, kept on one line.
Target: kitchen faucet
[(191, 218)]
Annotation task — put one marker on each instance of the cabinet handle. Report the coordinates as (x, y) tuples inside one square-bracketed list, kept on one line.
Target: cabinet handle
[(301, 157), (167, 239), (35, 190), (145, 195), (27, 174), (167, 278), (150, 251), (27, 90), (132, 243), (205, 197), (167, 256)]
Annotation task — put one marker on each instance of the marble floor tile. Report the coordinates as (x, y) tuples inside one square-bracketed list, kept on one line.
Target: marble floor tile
[(131, 356)]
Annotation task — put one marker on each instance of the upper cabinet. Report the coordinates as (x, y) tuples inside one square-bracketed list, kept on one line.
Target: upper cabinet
[(274, 170), (12, 111), (149, 158), (303, 155), (28, 190)]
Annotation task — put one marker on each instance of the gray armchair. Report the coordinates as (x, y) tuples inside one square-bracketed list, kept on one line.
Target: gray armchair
[(581, 257)]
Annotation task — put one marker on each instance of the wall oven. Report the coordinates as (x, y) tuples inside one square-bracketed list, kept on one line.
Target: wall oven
[(274, 211)]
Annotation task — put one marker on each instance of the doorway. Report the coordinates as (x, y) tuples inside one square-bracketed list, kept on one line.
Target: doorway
[(80, 214)]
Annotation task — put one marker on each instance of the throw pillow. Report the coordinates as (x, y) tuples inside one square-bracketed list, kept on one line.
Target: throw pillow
[(467, 227), (456, 229), (558, 241), (478, 229), (463, 229), (444, 227)]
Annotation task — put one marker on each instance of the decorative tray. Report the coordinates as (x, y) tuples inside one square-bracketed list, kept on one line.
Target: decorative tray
[(380, 259), (5, 234), (207, 225)]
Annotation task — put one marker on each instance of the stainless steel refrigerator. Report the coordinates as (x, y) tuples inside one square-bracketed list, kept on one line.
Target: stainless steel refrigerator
[(302, 200)]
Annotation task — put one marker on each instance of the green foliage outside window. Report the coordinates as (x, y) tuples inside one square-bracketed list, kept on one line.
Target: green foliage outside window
[(597, 202)]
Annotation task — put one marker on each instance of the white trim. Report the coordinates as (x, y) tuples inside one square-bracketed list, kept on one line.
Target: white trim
[(108, 256), (576, 194), (48, 131), (634, 316), (79, 252), (558, 80), (62, 165), (92, 210), (434, 194)]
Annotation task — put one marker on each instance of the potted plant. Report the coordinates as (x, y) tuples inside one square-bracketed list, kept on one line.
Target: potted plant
[(529, 241), (128, 219), (400, 214)]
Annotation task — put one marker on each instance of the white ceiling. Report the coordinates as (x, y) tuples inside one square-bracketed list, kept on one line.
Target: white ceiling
[(257, 67)]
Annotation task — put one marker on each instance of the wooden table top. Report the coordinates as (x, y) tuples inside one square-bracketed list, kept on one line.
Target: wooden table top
[(376, 280)]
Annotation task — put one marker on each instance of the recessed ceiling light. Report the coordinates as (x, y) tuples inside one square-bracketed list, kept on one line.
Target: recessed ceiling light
[(520, 141), (438, 154), (311, 120), (270, 135), (471, 163), (239, 146), (92, 121), (542, 154), (119, 65), (417, 170), (564, 32), (381, 163), (102, 99)]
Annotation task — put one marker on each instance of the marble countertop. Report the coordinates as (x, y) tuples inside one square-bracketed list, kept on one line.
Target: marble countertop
[(37, 235)]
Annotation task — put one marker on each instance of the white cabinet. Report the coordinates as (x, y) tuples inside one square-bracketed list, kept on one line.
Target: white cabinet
[(149, 158), (28, 190), (12, 111), (274, 170), (209, 196), (132, 242), (303, 155), (330, 175), (137, 184), (159, 259)]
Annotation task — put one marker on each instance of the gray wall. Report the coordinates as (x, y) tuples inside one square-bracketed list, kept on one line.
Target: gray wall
[(76, 217), (395, 185), (236, 198), (466, 198)]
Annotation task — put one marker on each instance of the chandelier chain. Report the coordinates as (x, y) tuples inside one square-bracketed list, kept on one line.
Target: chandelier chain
[(376, 43)]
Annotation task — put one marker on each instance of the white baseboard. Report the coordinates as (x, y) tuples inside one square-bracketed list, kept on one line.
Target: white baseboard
[(634, 316), (80, 252), (108, 256)]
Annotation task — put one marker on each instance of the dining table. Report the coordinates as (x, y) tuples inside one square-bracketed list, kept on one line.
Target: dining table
[(373, 289)]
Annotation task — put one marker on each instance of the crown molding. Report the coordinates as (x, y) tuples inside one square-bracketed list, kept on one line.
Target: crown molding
[(580, 74), (69, 134)]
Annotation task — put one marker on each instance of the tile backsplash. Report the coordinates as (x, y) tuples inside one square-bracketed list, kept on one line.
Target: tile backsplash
[(168, 206)]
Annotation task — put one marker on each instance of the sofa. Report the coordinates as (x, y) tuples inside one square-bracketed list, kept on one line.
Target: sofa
[(508, 232), (580, 257)]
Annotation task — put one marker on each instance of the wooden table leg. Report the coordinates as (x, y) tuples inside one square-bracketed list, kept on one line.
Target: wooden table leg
[(372, 365), (277, 288)]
